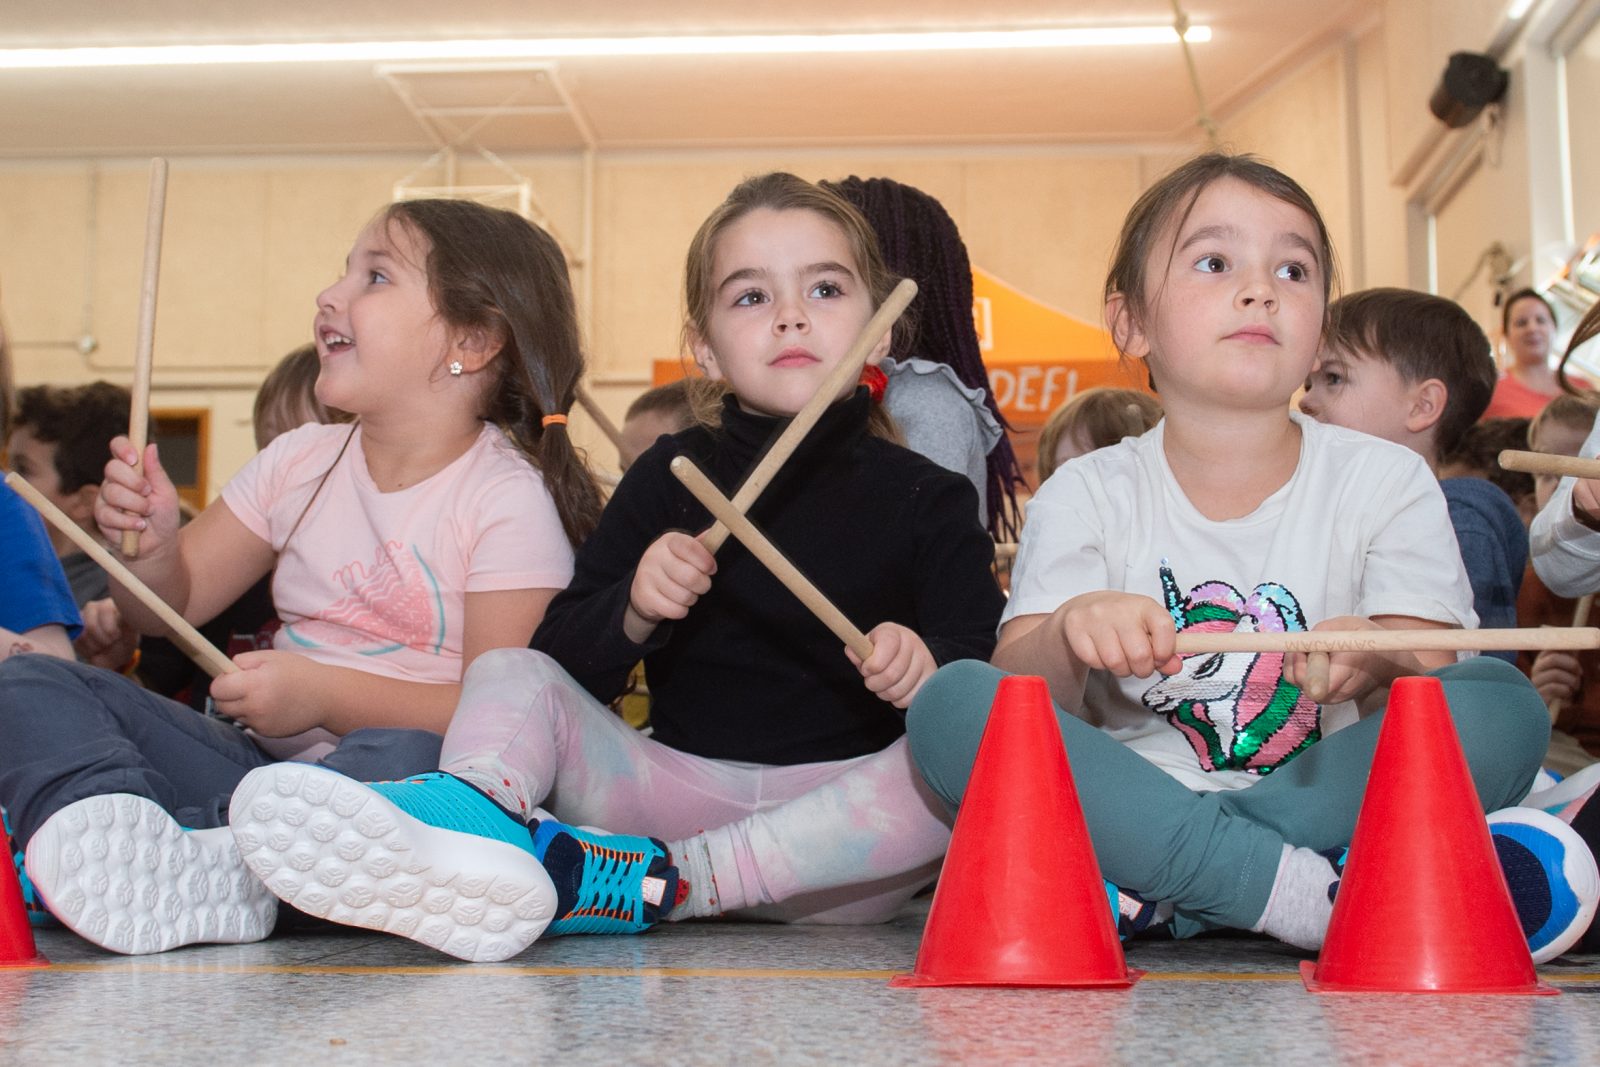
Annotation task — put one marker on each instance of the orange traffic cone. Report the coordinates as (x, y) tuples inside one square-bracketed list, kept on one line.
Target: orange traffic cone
[(16, 936), (1423, 906), (1021, 901)]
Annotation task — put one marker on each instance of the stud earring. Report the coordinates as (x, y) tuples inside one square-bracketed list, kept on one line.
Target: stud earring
[(455, 368)]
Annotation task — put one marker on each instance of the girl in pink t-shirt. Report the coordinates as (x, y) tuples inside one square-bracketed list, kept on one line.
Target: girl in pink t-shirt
[(434, 529)]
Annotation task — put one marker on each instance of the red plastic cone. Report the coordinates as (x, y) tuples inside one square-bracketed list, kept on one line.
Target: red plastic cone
[(1021, 901), (16, 935), (1423, 906)]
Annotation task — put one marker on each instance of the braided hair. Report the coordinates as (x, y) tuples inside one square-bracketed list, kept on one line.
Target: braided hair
[(920, 241)]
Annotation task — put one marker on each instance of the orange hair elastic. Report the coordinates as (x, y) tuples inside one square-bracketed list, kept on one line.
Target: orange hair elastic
[(553, 420)]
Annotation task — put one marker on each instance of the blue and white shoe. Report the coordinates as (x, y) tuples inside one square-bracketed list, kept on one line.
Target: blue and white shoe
[(1135, 915), (607, 883), (38, 915), (118, 871), (429, 858), (1554, 881), (1550, 871), (1563, 797)]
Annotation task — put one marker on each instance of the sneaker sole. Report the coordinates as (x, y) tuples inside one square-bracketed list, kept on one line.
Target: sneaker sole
[(119, 872), (335, 849), (1569, 868)]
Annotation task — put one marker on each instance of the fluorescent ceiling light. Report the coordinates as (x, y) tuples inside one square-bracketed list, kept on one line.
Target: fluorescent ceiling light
[(564, 47)]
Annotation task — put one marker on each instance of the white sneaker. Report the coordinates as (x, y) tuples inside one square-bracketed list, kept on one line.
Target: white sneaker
[(1552, 875), (358, 854), (119, 871)]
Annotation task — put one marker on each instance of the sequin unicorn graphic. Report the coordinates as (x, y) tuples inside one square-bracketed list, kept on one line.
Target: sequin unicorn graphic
[(1235, 708)]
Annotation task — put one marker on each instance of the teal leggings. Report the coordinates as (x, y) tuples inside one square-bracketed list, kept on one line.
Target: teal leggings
[(1214, 856)]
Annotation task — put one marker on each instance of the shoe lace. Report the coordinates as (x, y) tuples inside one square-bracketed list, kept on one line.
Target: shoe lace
[(609, 883)]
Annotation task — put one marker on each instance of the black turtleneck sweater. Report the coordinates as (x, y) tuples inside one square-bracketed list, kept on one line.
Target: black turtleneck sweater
[(750, 674)]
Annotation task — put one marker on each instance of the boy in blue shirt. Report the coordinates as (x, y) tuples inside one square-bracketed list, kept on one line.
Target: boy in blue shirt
[(1416, 369)]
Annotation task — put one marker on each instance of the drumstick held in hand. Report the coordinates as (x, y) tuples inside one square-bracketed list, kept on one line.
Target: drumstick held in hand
[(764, 550), (144, 350), (1580, 617), (847, 371), (207, 656)]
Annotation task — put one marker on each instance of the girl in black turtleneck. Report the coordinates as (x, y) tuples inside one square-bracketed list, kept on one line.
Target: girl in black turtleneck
[(778, 772)]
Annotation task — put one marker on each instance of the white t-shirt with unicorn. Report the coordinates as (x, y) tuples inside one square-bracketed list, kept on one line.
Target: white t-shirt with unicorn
[(377, 581), (1361, 528)]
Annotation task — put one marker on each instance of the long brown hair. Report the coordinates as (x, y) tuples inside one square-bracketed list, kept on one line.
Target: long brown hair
[(780, 191), (494, 271)]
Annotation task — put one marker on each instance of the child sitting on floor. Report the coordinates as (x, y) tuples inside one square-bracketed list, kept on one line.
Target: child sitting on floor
[(1212, 784), (778, 772)]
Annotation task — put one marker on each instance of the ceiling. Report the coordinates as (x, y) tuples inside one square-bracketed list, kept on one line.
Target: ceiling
[(1056, 96)]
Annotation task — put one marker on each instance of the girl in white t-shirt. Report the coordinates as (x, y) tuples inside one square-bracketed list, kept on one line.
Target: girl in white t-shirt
[(1212, 783), (437, 527)]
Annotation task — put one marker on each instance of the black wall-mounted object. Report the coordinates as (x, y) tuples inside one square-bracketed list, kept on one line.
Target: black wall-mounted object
[(1471, 82)]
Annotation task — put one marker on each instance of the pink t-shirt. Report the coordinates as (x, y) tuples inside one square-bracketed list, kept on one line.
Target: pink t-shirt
[(377, 581)]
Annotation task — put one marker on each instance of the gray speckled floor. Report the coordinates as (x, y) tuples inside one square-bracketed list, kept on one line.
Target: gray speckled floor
[(747, 994)]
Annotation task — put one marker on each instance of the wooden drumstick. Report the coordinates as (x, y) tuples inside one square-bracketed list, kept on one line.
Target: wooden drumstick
[(1545, 463), (764, 550), (601, 419), (206, 655), (144, 350), (1563, 638), (1580, 617), (847, 371)]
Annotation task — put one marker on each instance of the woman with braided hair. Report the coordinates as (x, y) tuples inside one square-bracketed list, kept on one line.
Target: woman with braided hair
[(938, 389)]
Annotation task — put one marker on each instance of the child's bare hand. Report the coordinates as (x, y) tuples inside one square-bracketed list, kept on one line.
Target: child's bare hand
[(1350, 674), (899, 664), (674, 572), (1556, 675), (131, 501), (273, 693), (106, 640), (1124, 633)]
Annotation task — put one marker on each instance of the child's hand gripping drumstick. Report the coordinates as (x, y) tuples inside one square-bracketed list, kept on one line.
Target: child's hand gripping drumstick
[(847, 371), (1580, 617), (209, 658), (909, 664), (139, 412)]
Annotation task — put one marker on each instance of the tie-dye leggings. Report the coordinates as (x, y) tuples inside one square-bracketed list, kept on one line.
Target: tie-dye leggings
[(1214, 856), (840, 842)]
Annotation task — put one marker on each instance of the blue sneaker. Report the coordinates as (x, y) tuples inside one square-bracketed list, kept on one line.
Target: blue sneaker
[(1553, 878), (1134, 914), (429, 858), (606, 883), (1551, 873), (38, 915)]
